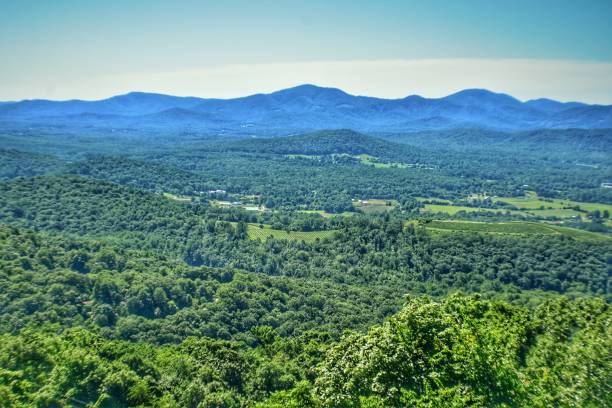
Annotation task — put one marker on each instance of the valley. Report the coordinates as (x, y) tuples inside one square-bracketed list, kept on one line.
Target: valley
[(305, 204), (141, 265)]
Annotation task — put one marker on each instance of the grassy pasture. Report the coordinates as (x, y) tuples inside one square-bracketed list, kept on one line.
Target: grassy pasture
[(375, 206), (514, 227), (492, 227), (533, 202), (556, 212), (440, 200), (255, 232), (529, 205), (228, 204), (179, 198), (326, 214), (454, 209), (373, 161)]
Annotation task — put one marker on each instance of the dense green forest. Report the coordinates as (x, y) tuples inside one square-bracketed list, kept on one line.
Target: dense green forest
[(460, 352), (130, 274)]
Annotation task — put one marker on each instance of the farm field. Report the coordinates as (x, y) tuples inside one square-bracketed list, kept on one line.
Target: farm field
[(514, 227), (229, 204), (373, 161), (530, 205), (555, 212), (440, 200), (454, 209), (179, 198), (326, 214), (254, 231), (375, 206), (531, 201)]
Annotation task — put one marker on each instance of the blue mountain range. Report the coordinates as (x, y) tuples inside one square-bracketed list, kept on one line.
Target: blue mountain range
[(307, 108)]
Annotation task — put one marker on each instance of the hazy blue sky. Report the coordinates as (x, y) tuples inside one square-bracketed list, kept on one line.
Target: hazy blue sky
[(88, 49)]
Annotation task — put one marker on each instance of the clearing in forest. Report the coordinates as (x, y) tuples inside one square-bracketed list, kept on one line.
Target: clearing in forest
[(262, 231), (513, 227)]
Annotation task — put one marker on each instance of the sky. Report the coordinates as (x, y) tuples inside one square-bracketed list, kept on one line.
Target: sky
[(64, 49)]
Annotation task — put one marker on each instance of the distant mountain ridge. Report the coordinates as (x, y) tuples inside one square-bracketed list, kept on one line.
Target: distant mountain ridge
[(309, 108)]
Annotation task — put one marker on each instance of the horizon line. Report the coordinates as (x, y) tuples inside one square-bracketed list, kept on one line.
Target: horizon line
[(525, 79)]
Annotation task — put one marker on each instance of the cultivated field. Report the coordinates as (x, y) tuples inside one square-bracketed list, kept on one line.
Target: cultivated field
[(454, 209), (326, 214), (514, 227), (531, 201), (375, 206), (255, 231), (529, 206)]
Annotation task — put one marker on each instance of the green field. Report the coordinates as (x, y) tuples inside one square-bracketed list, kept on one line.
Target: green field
[(179, 198), (326, 214), (373, 161), (514, 227), (454, 209), (228, 204), (439, 200), (529, 206), (555, 212), (254, 231), (532, 202), (374, 205)]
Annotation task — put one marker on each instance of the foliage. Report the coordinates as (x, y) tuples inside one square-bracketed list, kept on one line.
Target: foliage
[(122, 284), (462, 351), (465, 351)]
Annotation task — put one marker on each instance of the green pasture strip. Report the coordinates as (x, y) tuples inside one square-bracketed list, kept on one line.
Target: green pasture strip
[(533, 202), (454, 209), (179, 198), (254, 231), (512, 227)]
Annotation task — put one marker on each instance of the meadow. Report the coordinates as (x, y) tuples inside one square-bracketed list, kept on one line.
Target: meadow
[(374, 205), (532, 202), (176, 197), (262, 232), (454, 209), (528, 206), (514, 227), (326, 214)]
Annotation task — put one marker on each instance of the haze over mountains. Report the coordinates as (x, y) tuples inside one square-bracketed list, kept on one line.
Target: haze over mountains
[(306, 108)]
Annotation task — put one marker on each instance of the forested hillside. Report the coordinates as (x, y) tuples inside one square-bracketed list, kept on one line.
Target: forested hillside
[(332, 269), (188, 221), (364, 251), (459, 352)]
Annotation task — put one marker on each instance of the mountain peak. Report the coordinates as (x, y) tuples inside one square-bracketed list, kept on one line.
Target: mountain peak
[(310, 91), (310, 88), (481, 96)]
